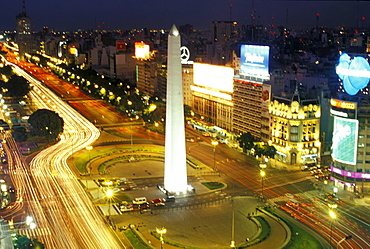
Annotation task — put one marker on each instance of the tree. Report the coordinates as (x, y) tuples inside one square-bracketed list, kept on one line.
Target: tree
[(16, 87), (266, 150), (4, 125), (19, 134), (46, 123), (7, 71), (246, 141), (22, 242)]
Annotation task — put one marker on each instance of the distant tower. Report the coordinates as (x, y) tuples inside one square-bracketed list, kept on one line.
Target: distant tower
[(24, 33), (175, 175)]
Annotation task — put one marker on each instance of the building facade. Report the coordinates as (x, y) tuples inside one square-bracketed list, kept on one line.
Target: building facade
[(295, 129)]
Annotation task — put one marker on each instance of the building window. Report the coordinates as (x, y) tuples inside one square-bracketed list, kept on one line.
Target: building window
[(361, 145)]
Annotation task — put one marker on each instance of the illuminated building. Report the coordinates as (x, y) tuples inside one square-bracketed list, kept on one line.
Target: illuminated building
[(351, 144), (251, 97), (150, 70), (351, 126), (24, 39), (175, 174), (212, 91), (295, 129)]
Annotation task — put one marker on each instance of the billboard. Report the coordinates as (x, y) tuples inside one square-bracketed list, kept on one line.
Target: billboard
[(142, 50), (358, 175), (345, 133), (254, 60), (343, 104), (121, 45), (354, 73), (217, 77)]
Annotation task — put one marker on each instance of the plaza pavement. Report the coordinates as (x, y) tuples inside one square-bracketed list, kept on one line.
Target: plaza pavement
[(207, 226)]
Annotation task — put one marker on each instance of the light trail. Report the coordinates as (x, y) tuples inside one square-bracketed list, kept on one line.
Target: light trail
[(64, 213)]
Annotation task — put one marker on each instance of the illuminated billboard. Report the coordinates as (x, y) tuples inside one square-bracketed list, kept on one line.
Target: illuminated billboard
[(354, 73), (254, 60), (142, 50), (121, 45), (210, 76), (345, 134), (358, 175), (343, 104)]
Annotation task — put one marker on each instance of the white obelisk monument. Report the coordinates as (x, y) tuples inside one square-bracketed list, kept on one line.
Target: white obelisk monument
[(175, 175)]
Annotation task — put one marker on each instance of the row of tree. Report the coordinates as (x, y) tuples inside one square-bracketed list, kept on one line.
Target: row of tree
[(247, 143)]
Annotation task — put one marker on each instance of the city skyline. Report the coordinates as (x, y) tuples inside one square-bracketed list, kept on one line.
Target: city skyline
[(94, 14)]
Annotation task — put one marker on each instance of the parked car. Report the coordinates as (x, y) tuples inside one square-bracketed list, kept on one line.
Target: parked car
[(158, 200), (170, 198)]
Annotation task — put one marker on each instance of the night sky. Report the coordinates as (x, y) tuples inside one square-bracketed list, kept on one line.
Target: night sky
[(124, 14)]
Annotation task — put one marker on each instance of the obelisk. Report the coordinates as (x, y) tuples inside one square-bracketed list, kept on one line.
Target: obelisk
[(175, 175)]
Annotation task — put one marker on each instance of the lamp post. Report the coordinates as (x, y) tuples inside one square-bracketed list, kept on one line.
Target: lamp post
[(232, 244), (109, 196), (161, 231), (333, 216), (88, 148), (262, 174), (214, 143)]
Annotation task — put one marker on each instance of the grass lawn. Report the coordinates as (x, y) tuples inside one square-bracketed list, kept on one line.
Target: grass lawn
[(213, 185)]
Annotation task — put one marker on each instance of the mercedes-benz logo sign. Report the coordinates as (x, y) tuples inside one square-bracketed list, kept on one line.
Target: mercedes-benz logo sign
[(185, 54)]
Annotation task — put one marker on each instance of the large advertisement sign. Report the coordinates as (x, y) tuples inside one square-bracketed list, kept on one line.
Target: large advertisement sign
[(142, 50), (358, 175), (354, 73), (254, 60), (121, 45), (212, 76), (345, 134)]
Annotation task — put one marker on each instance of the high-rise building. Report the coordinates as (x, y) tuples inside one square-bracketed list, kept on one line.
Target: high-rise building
[(24, 38), (251, 96)]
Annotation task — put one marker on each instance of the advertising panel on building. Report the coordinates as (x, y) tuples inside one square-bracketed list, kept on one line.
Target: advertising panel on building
[(121, 45), (254, 60), (345, 135), (354, 73), (142, 50), (211, 76)]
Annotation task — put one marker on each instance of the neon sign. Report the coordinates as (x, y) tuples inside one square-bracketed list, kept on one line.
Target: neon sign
[(358, 175), (354, 73)]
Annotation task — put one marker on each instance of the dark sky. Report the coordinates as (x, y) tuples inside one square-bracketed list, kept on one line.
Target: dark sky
[(124, 14)]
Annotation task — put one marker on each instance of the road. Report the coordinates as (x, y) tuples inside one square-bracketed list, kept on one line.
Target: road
[(62, 209)]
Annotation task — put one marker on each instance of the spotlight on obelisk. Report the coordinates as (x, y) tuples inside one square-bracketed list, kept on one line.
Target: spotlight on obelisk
[(175, 175)]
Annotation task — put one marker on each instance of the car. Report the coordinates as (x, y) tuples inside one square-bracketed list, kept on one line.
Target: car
[(159, 204), (125, 208), (289, 195), (158, 200), (170, 198), (190, 139), (125, 188), (206, 134)]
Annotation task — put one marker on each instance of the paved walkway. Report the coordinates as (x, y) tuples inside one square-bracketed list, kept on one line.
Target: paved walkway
[(199, 226)]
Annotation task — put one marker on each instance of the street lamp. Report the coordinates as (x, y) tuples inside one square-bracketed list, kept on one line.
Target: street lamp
[(161, 231), (214, 143), (333, 216), (109, 196), (262, 173), (88, 148)]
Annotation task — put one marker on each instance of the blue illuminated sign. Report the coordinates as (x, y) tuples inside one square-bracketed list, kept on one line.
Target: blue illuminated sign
[(354, 73), (254, 60), (345, 134)]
